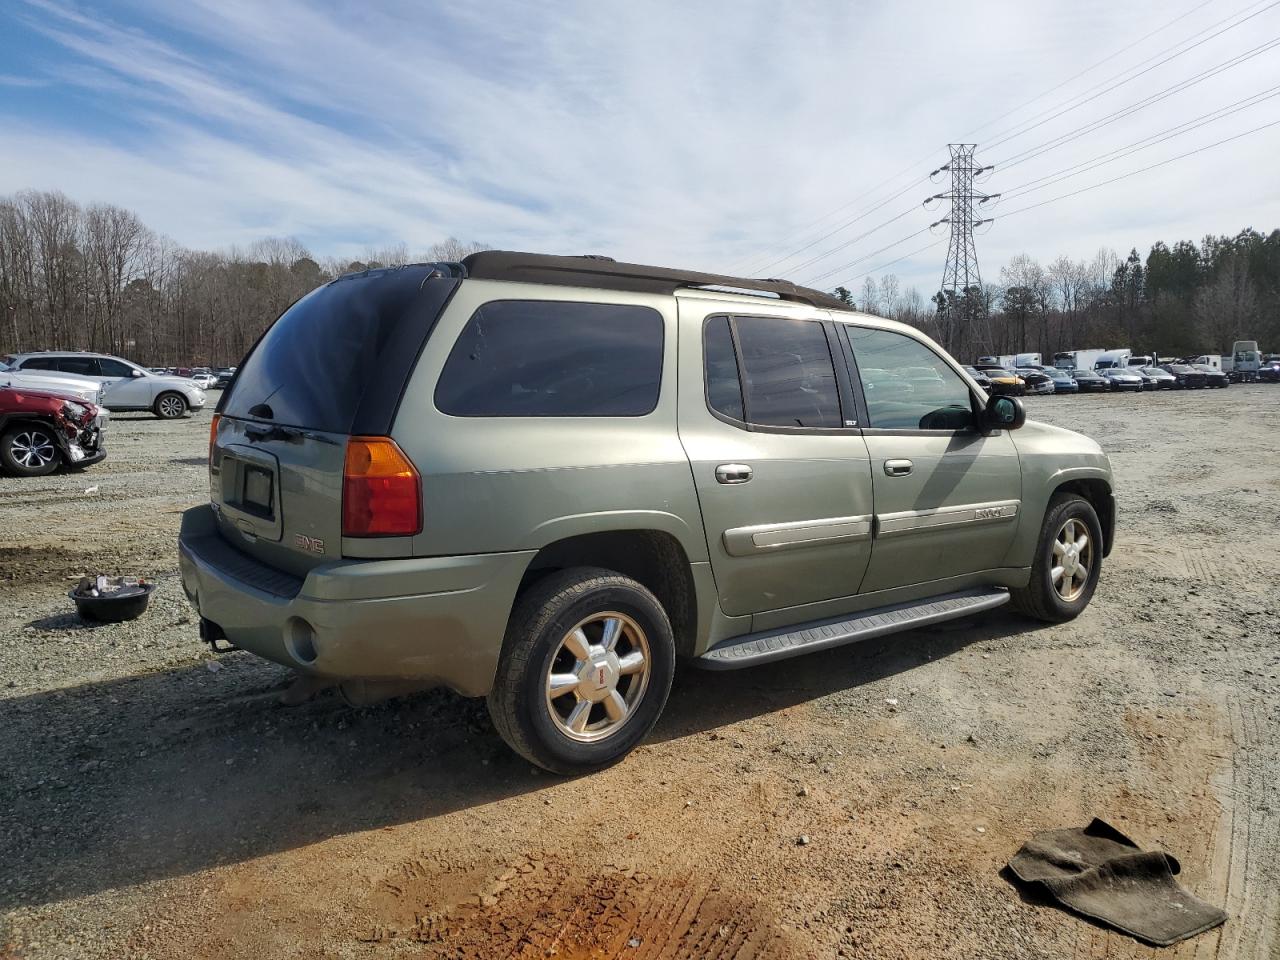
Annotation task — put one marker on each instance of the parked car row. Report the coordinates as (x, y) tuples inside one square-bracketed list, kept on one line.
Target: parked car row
[(208, 378), (124, 385), (1032, 379)]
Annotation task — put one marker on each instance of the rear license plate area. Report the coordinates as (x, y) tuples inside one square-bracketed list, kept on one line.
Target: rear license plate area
[(257, 491)]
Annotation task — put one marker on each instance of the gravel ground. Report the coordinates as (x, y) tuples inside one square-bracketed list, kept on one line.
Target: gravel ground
[(158, 802)]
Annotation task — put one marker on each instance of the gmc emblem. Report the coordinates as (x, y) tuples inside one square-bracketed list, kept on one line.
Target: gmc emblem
[(309, 544), (988, 513)]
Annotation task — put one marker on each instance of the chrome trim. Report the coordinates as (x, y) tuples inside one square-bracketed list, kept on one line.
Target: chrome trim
[(909, 521), (767, 537)]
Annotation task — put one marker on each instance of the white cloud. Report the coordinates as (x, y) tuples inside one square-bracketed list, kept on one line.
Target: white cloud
[(704, 135)]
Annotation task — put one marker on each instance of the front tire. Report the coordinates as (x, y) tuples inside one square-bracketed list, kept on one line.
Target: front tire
[(1067, 564), (29, 450), (585, 670), (170, 406)]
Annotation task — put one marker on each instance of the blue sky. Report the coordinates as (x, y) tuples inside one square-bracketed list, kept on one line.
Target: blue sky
[(719, 135)]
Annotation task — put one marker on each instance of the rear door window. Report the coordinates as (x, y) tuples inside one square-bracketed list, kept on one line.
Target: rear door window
[(724, 389), (83, 366), (788, 377), (546, 358)]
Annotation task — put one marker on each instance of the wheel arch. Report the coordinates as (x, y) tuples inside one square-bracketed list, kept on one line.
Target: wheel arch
[(1097, 491), (654, 558)]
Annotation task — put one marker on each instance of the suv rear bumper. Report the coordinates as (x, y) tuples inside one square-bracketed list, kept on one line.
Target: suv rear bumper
[(439, 620)]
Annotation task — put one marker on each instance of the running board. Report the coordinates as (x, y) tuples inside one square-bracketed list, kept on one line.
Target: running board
[(754, 648)]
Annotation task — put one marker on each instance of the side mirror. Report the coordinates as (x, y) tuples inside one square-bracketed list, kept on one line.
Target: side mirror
[(1004, 413), (136, 373)]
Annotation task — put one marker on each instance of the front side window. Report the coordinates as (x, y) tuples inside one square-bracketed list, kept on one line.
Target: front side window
[(114, 368), (907, 385), (541, 358), (788, 378)]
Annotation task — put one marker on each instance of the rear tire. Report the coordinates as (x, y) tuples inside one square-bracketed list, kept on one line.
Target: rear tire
[(170, 406), (585, 670), (29, 450), (1067, 564)]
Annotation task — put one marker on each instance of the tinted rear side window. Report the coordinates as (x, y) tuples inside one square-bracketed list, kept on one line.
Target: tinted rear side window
[(788, 376), (338, 359), (724, 391), (539, 358), (84, 366)]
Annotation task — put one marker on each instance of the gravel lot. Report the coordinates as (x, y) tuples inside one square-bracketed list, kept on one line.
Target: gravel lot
[(156, 802)]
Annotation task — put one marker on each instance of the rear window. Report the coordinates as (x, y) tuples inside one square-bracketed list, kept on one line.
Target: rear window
[(541, 358), (338, 359)]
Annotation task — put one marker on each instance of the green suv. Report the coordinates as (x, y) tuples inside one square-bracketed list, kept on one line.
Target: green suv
[(545, 480)]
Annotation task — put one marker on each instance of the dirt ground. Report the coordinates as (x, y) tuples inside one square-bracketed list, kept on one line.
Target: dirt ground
[(157, 802)]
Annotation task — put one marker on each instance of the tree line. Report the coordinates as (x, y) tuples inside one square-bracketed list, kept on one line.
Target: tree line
[(1185, 299), (97, 278)]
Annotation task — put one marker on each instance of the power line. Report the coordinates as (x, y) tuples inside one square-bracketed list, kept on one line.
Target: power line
[(832, 213), (890, 263), (1107, 59), (1162, 136), (1030, 153), (800, 266), (1011, 134), (866, 256), (1065, 196), (1004, 138), (1134, 173)]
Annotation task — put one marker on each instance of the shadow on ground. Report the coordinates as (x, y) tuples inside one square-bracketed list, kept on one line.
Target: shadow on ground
[(159, 776)]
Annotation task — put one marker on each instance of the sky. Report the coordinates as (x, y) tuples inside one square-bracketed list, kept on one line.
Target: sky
[(718, 136)]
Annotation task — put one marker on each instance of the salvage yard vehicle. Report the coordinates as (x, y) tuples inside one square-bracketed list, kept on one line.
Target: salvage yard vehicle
[(1036, 381), (544, 480), (1122, 378), (1002, 381), (1213, 378), (1185, 376), (1090, 382), (42, 430), (82, 388), (1062, 380), (1160, 378), (127, 386)]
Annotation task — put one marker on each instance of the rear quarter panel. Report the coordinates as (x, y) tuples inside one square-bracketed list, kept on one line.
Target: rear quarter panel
[(493, 484)]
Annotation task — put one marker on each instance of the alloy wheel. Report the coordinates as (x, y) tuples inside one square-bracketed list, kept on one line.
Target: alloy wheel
[(33, 449), (598, 674), (1072, 559), (171, 407)]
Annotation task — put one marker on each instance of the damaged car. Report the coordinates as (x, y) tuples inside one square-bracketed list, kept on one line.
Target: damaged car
[(42, 431)]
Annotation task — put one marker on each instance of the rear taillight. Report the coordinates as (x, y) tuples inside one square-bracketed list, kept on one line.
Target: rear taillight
[(381, 490), (213, 433)]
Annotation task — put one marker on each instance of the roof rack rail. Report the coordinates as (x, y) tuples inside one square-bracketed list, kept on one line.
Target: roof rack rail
[(596, 271)]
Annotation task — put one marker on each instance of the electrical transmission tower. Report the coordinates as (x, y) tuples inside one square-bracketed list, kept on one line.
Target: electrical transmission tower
[(960, 301)]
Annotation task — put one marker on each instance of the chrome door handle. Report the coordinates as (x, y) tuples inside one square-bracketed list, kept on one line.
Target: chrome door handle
[(733, 473), (897, 468)]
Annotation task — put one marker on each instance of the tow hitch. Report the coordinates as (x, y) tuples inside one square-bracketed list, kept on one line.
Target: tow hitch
[(212, 634)]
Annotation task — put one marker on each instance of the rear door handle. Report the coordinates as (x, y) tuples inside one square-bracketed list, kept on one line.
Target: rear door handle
[(897, 468), (733, 473)]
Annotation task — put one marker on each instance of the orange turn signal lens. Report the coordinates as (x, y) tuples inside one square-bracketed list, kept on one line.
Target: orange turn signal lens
[(213, 433), (381, 490)]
